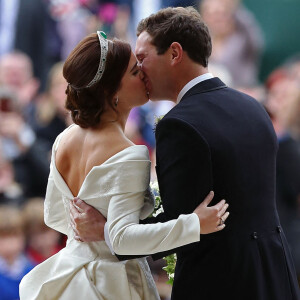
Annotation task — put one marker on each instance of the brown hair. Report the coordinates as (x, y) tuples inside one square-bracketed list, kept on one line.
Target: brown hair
[(11, 220), (33, 212), (182, 25), (87, 104)]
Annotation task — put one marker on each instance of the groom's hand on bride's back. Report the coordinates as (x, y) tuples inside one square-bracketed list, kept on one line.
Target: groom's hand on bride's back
[(212, 218), (87, 222)]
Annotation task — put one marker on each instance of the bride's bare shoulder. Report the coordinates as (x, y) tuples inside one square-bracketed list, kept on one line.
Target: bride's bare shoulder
[(68, 139), (90, 147)]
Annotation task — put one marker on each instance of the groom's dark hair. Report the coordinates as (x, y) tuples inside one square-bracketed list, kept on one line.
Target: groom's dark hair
[(182, 25)]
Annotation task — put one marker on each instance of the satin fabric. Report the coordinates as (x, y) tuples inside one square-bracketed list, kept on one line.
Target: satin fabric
[(117, 188)]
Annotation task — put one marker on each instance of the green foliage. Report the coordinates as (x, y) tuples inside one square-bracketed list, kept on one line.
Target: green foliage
[(158, 208), (170, 267)]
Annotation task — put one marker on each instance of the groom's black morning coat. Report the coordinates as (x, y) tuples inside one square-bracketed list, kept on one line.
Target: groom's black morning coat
[(219, 139)]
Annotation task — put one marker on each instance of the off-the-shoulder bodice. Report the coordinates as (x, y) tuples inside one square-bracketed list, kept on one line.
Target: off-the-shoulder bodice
[(114, 176), (128, 171), (118, 189)]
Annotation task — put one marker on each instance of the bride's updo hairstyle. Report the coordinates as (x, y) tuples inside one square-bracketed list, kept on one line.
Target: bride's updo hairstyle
[(86, 104)]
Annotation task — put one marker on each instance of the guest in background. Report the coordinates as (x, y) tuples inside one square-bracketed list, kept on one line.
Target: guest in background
[(10, 191), (13, 263), (16, 75), (236, 37), (42, 241), (21, 147), (282, 95), (51, 117), (25, 27), (293, 67)]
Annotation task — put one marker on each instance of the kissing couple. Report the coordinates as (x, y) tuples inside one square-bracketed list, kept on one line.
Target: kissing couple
[(214, 139)]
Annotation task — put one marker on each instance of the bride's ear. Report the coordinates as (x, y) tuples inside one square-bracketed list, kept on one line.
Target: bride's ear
[(115, 100), (176, 53)]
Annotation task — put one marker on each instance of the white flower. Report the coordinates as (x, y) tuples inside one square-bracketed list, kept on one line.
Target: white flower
[(158, 211), (154, 187), (171, 259), (157, 119)]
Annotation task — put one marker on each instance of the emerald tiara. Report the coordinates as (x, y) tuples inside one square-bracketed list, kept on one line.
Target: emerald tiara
[(104, 48)]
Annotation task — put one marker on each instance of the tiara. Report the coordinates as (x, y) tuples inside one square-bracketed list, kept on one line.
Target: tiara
[(104, 48)]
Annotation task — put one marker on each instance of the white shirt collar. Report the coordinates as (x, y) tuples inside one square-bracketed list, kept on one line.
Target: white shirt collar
[(192, 83)]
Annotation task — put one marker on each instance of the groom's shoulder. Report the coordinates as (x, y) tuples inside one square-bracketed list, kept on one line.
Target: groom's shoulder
[(193, 104), (199, 101), (205, 107)]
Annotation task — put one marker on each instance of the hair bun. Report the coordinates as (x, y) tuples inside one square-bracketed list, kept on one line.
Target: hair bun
[(86, 104)]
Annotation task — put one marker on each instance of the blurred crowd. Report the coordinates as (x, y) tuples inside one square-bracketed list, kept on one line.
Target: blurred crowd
[(36, 36)]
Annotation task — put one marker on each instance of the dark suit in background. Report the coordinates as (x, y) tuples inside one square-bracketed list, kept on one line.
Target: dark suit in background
[(36, 36), (219, 139), (288, 193)]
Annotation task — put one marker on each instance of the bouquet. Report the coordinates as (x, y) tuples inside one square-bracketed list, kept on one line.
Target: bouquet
[(158, 208)]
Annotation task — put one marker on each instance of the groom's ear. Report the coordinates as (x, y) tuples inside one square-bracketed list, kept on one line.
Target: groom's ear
[(176, 53)]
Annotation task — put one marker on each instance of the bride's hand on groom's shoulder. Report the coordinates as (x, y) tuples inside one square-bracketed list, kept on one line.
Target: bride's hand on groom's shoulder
[(212, 218)]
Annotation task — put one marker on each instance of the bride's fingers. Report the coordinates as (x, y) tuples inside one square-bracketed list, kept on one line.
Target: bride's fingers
[(220, 205), (225, 216), (221, 222), (223, 210), (208, 198), (220, 227)]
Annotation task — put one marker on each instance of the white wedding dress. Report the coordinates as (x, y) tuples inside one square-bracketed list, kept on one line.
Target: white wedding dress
[(89, 271)]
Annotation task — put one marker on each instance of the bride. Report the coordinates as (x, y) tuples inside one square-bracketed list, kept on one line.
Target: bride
[(93, 160)]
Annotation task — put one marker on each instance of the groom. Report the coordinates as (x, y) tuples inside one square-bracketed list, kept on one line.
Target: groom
[(218, 139)]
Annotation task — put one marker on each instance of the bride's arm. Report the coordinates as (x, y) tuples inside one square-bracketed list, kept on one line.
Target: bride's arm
[(183, 163), (54, 210), (127, 236)]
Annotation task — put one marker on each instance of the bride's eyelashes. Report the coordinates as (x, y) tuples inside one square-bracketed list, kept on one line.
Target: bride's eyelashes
[(136, 72)]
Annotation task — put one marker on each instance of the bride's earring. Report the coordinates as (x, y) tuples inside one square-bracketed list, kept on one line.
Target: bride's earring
[(116, 102)]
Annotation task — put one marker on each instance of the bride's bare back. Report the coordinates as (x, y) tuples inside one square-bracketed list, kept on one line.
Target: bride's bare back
[(81, 149)]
